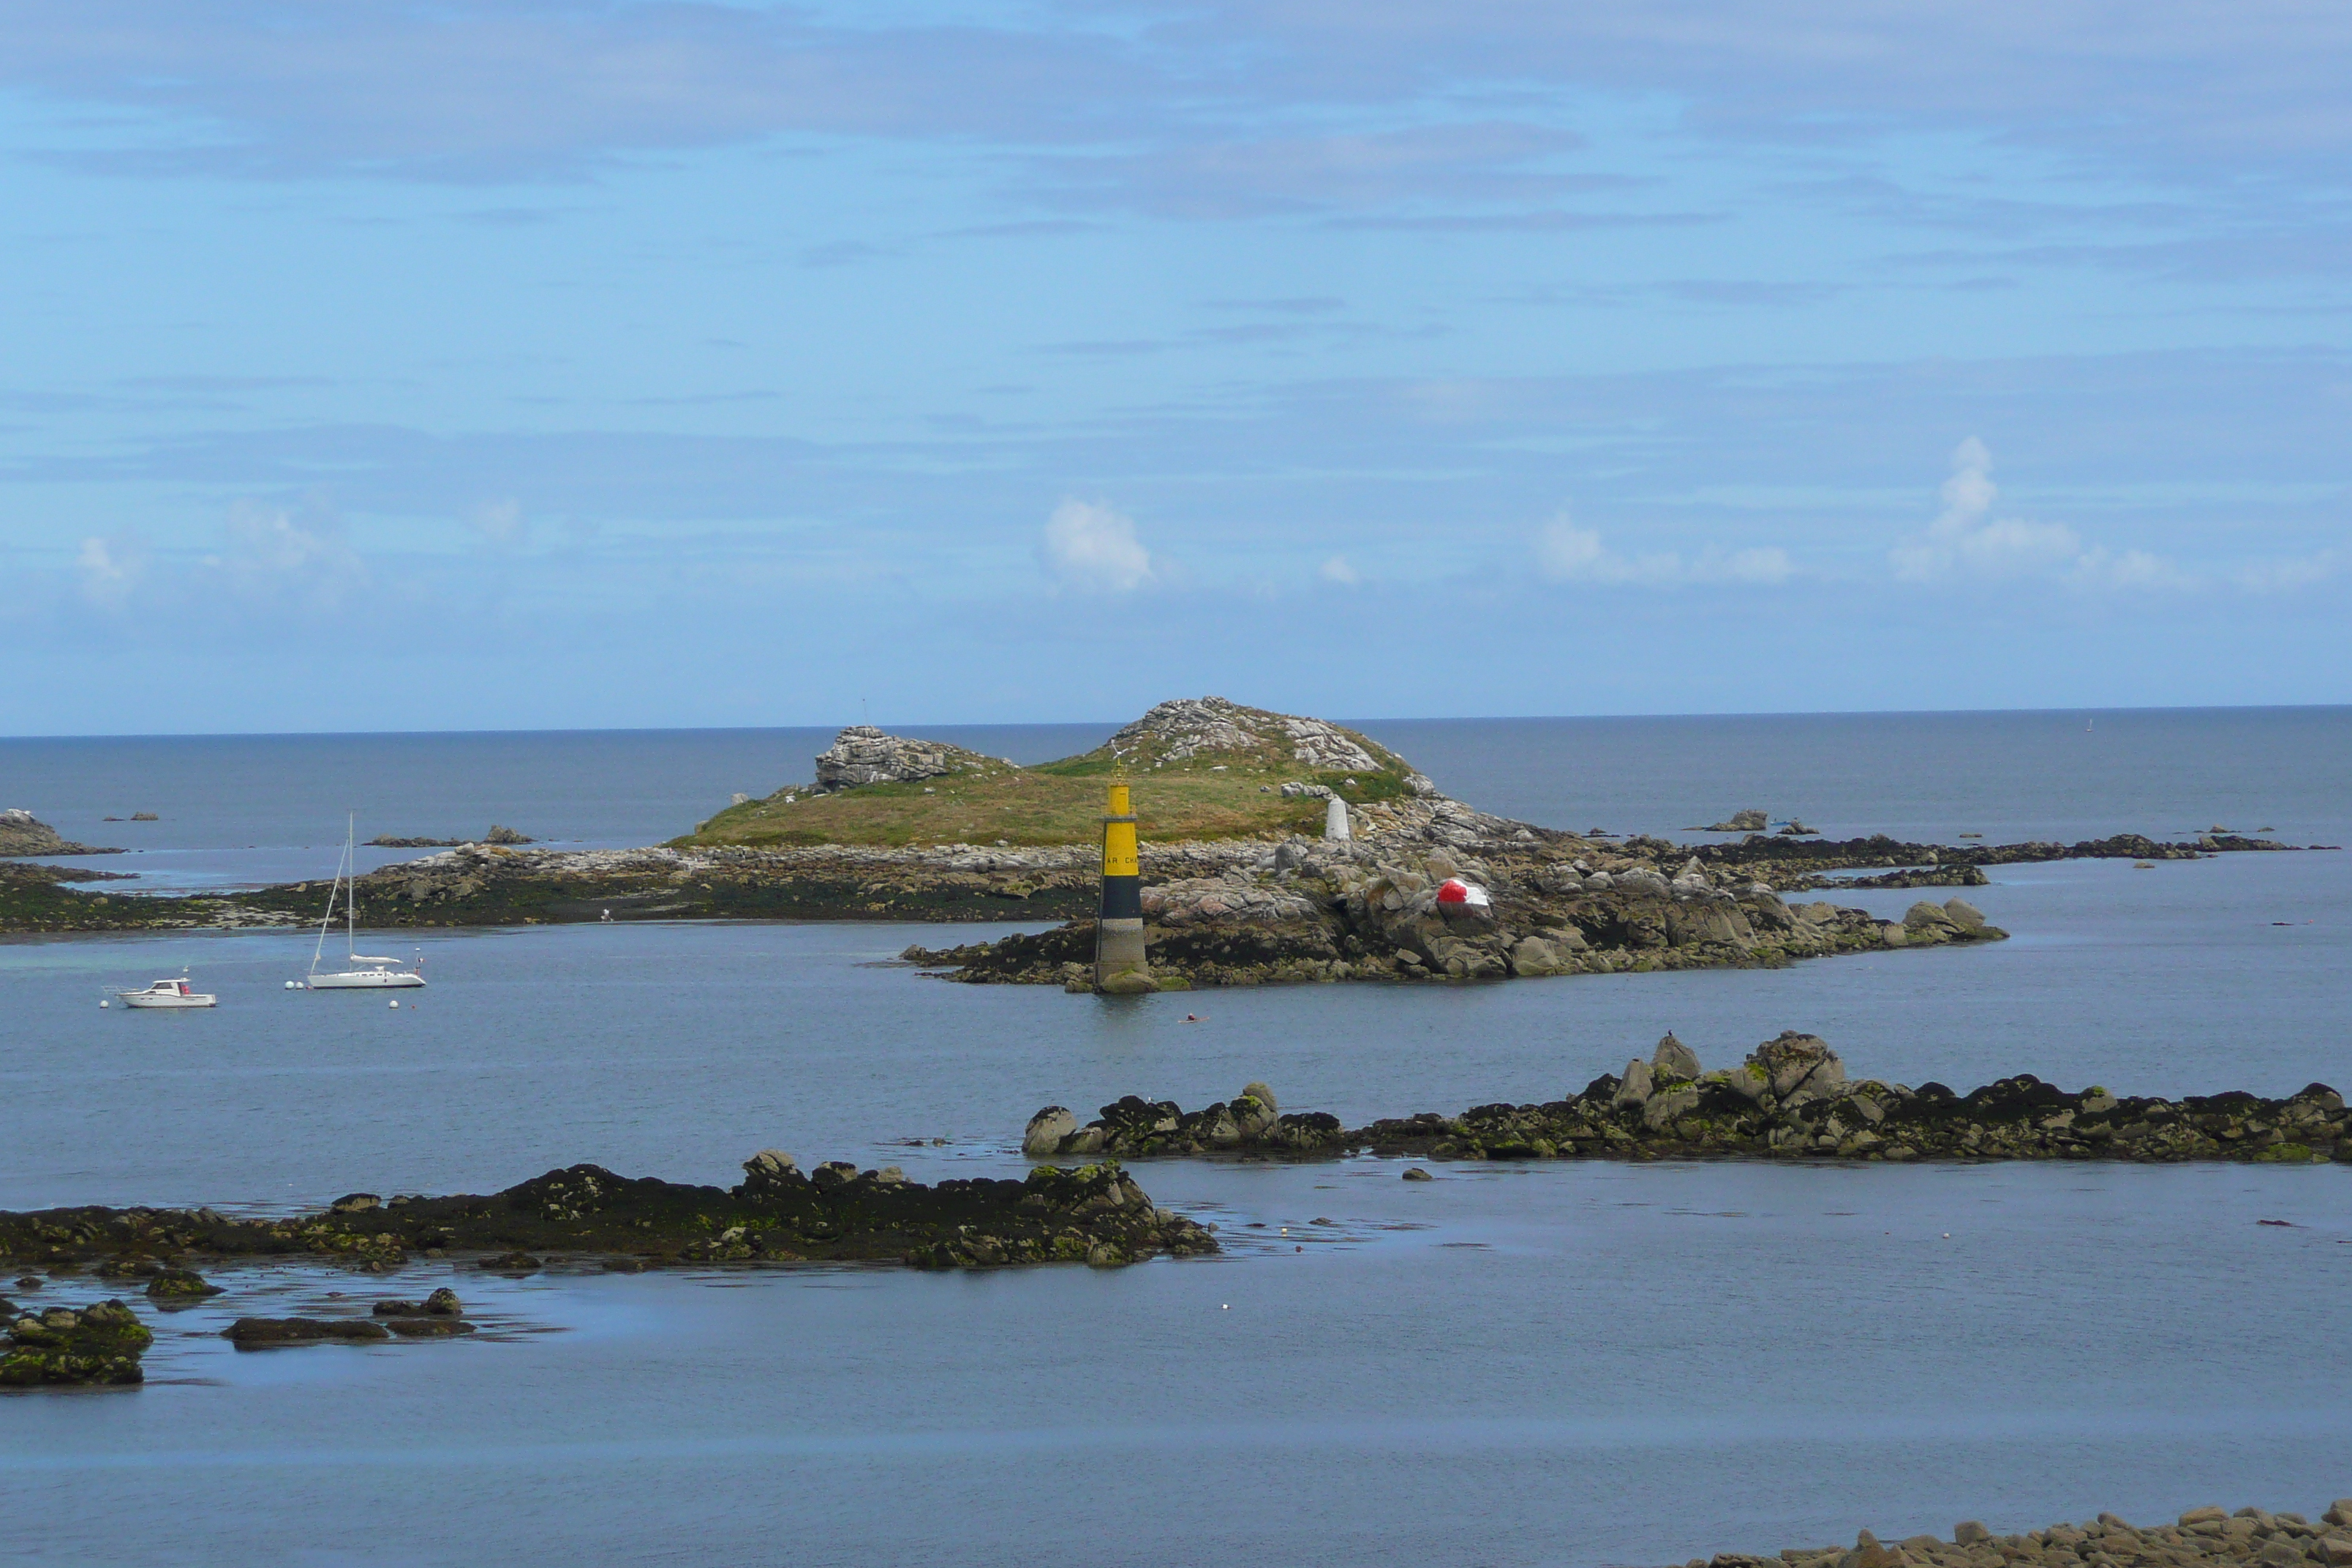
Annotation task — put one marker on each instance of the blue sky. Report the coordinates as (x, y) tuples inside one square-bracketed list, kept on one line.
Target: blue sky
[(541, 364)]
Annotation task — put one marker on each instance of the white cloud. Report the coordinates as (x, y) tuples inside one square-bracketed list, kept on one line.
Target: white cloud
[(110, 569), (1567, 553), (1092, 547), (295, 555), (1967, 541), (1339, 570)]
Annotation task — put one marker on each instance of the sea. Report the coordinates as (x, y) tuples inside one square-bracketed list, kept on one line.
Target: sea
[(1578, 1364)]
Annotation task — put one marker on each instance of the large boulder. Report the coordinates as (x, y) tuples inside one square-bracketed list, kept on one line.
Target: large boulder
[(1673, 1059), (1634, 1089), (1794, 1068), (1042, 1139)]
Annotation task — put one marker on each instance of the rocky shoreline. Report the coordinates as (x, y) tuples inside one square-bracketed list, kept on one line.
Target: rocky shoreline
[(2201, 1538), (1790, 1100)]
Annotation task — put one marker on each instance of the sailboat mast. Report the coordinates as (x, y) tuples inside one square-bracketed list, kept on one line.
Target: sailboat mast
[(328, 919), (352, 898)]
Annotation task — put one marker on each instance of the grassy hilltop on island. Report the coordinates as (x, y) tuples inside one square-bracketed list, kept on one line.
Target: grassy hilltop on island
[(1203, 769)]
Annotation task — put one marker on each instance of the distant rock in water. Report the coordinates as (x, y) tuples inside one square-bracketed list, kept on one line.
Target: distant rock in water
[(1750, 821), (497, 835), (22, 833), (145, 817)]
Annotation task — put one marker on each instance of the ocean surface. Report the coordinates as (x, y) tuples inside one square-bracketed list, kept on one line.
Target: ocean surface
[(1572, 1364)]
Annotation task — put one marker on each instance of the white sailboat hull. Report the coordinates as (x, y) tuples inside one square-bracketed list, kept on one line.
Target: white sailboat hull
[(364, 980)]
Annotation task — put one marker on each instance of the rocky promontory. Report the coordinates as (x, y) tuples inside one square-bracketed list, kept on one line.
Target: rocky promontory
[(22, 833), (2201, 1538), (1790, 1099), (778, 1212)]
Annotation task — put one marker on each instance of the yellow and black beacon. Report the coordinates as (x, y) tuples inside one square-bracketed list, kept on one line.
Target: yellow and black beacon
[(1120, 969)]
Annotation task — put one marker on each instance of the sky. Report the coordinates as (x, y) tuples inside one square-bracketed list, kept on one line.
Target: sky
[(532, 363)]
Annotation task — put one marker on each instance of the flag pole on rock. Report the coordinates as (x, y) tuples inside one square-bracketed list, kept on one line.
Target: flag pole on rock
[(1120, 969)]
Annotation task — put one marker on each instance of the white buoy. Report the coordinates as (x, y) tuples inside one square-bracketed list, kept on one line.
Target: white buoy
[(395, 1001), (104, 1003), (290, 985)]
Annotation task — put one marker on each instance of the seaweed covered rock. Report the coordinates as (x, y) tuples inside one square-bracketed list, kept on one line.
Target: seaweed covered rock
[(776, 1213), (1790, 1099), (97, 1345), (1250, 1122)]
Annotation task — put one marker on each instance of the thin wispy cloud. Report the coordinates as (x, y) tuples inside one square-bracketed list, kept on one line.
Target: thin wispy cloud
[(1565, 553)]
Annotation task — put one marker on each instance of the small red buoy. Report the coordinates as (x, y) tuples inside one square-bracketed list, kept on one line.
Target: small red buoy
[(1468, 895)]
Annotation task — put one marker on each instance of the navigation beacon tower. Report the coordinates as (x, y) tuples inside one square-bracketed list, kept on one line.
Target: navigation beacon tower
[(1120, 969)]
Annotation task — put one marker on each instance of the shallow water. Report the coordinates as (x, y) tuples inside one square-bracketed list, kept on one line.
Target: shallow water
[(1573, 1364)]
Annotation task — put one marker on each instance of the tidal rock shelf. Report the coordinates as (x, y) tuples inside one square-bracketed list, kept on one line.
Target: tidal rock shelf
[(1093, 1214), (1790, 1100), (2201, 1538)]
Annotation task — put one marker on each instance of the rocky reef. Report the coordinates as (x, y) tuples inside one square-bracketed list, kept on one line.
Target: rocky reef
[(1790, 1099), (1371, 910), (97, 1345), (1093, 1214), (1135, 1126), (2201, 1538), (22, 833)]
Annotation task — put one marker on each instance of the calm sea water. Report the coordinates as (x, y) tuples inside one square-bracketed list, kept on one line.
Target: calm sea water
[(1575, 1364)]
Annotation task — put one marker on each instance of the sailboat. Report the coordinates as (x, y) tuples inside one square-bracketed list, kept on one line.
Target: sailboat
[(365, 974)]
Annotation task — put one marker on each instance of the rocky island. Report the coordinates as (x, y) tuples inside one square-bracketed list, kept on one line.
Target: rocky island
[(1790, 1100), (1243, 883)]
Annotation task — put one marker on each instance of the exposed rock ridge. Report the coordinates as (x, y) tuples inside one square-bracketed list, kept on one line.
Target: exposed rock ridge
[(1790, 1099), (778, 1212)]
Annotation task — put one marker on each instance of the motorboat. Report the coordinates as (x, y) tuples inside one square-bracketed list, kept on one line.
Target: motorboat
[(364, 973), (169, 993)]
